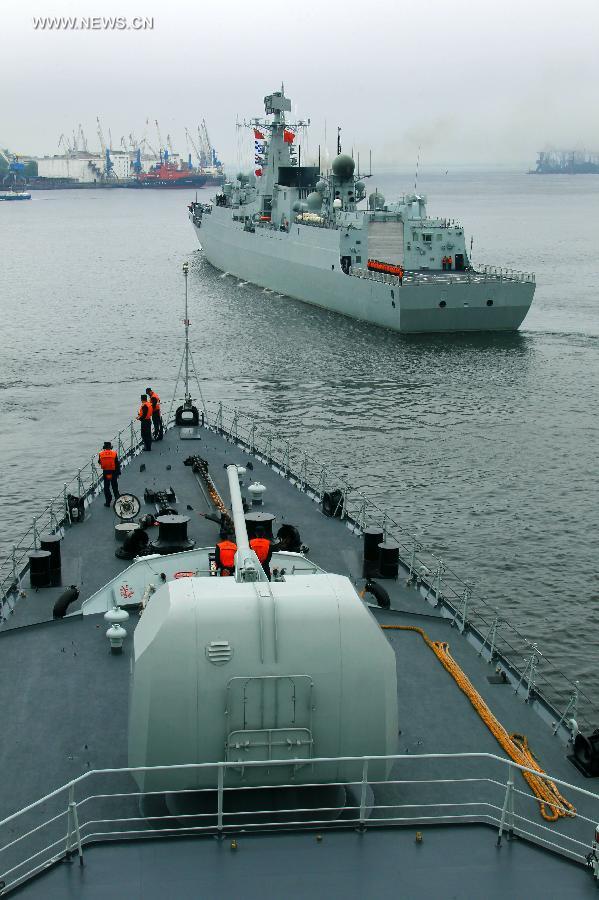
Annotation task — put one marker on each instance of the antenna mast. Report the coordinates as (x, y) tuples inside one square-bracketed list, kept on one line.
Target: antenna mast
[(187, 414), (187, 400)]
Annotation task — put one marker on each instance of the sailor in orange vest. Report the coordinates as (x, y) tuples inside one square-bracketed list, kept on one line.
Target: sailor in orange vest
[(156, 417), (145, 417), (224, 556), (262, 547), (111, 469), (444, 263), (449, 262)]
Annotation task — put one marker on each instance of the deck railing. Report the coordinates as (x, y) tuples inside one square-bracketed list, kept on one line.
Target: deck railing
[(54, 517), (420, 789), (481, 274)]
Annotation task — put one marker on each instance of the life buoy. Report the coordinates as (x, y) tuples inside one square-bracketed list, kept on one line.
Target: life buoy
[(184, 574), (378, 592)]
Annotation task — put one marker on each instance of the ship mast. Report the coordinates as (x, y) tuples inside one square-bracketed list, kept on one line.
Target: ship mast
[(187, 398), (186, 414)]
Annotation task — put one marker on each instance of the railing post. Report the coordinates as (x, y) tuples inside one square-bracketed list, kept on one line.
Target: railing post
[(253, 438), (121, 449), (14, 564), (219, 824), (439, 573), (79, 483), (490, 637), (35, 533), (529, 673), (67, 516), (73, 827), (363, 795), (571, 709), (131, 437), (508, 806)]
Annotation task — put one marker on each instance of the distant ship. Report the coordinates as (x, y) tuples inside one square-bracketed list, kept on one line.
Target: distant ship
[(168, 175), (298, 231), (566, 162)]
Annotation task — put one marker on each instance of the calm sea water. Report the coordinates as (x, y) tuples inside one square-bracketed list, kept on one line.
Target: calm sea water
[(485, 446)]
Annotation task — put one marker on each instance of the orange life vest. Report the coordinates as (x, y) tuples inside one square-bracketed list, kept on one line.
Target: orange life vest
[(145, 411), (261, 547), (108, 462), (154, 397), (227, 551)]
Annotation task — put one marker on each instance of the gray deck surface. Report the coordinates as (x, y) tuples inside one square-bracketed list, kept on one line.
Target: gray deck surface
[(382, 863), (64, 711)]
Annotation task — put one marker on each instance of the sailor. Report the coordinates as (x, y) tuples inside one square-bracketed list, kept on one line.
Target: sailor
[(449, 262), (224, 556), (111, 469), (156, 417), (262, 547), (444, 263), (145, 417)]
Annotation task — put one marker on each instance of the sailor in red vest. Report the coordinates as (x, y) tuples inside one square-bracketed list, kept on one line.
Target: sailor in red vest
[(111, 469), (224, 556), (145, 417), (156, 417), (262, 547)]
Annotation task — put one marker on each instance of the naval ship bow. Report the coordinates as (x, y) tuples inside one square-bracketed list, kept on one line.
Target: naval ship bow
[(303, 233), (353, 726)]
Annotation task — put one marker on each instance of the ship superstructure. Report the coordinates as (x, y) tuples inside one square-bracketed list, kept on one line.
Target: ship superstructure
[(303, 233)]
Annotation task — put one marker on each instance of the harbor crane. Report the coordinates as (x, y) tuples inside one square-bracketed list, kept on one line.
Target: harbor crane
[(161, 146), (83, 139), (193, 144)]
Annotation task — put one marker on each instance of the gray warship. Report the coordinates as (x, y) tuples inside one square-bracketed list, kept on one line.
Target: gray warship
[(360, 724), (292, 229)]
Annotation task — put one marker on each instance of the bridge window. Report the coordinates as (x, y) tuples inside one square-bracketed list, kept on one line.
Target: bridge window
[(427, 238), (358, 259)]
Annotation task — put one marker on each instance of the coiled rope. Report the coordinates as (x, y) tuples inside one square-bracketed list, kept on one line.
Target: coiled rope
[(551, 802)]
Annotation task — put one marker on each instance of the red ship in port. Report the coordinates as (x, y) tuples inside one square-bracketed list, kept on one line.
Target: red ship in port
[(168, 175)]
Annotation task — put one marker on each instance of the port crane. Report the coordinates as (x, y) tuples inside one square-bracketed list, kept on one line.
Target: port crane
[(14, 174), (108, 164), (191, 141)]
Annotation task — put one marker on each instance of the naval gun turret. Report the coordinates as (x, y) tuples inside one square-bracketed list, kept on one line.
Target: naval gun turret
[(241, 669)]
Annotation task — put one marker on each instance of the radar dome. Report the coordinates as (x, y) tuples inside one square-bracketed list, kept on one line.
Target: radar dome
[(314, 201), (297, 206), (376, 201), (321, 186), (343, 167)]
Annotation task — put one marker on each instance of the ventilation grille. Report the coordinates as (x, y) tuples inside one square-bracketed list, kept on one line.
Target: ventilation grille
[(219, 652)]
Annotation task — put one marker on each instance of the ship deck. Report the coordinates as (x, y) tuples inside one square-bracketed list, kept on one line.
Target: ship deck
[(64, 704)]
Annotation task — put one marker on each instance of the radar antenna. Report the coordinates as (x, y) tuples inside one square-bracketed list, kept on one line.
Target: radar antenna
[(187, 414)]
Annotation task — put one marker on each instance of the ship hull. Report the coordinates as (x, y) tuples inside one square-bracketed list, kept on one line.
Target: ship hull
[(304, 264)]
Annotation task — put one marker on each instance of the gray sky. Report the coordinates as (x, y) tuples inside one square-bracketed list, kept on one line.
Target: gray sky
[(484, 82)]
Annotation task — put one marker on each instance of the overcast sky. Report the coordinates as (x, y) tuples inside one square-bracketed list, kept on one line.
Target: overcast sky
[(470, 82)]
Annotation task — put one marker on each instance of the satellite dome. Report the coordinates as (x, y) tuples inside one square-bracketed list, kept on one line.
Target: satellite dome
[(321, 186), (376, 201), (343, 167), (297, 206), (314, 201)]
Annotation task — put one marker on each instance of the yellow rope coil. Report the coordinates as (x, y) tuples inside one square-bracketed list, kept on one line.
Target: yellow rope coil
[(552, 803)]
